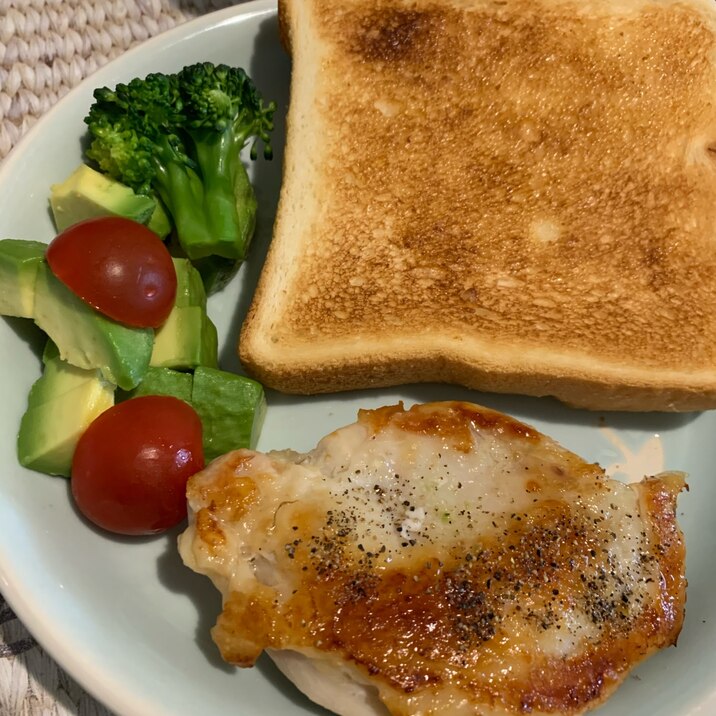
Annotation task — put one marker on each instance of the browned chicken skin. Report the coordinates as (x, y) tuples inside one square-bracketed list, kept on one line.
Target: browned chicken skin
[(445, 559)]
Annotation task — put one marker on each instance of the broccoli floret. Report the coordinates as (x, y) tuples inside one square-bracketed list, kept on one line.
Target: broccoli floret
[(181, 136)]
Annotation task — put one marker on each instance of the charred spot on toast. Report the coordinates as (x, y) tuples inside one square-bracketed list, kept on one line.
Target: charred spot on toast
[(390, 34)]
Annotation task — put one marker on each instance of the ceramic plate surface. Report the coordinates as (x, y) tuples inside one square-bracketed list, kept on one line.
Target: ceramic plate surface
[(125, 617)]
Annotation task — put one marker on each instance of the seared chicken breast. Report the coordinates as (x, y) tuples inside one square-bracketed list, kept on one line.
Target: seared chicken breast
[(445, 559)]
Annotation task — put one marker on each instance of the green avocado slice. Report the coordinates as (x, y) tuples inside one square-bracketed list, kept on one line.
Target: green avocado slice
[(87, 339)]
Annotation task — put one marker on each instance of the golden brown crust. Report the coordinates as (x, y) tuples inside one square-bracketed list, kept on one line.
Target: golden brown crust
[(455, 426), (284, 26), (572, 383), (659, 496), (515, 196), (549, 590)]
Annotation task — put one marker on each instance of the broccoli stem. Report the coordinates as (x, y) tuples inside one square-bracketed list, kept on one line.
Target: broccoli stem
[(246, 205), (214, 215), (181, 190), (212, 209)]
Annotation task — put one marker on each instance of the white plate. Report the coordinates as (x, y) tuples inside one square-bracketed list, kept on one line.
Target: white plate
[(125, 617)]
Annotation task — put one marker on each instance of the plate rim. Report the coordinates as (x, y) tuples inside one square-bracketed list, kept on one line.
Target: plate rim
[(98, 682)]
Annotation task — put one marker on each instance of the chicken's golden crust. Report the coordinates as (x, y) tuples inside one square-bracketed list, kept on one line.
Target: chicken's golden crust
[(517, 196), (529, 582), (455, 425)]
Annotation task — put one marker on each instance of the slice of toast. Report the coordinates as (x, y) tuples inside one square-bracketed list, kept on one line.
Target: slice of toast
[(514, 196)]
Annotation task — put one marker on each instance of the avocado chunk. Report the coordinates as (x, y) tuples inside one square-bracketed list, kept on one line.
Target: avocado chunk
[(50, 351), (187, 338), (87, 193), (61, 405), (231, 408), (58, 377), (163, 381), (86, 338), (19, 260), (190, 289)]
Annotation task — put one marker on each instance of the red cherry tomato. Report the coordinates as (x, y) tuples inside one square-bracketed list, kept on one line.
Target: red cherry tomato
[(131, 465), (119, 267)]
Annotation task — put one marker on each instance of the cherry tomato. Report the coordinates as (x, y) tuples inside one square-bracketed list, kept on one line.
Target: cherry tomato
[(119, 267), (131, 465)]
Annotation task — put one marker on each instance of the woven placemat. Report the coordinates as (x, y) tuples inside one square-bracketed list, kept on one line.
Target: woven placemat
[(49, 46)]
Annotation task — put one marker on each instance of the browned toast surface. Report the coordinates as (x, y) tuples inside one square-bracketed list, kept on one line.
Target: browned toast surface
[(513, 195)]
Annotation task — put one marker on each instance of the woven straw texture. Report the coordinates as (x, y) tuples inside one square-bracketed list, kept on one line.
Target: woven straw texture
[(49, 46)]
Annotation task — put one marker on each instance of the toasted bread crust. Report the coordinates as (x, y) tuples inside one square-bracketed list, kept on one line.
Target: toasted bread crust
[(518, 197)]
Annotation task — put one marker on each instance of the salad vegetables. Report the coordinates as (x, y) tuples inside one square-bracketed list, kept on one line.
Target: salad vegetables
[(179, 136), (128, 275), (137, 485), (131, 401)]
